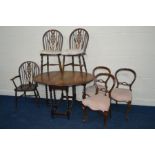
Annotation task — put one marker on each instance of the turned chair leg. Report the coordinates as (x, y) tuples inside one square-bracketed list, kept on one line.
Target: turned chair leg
[(48, 64), (46, 91), (128, 109), (84, 63), (73, 63), (105, 113), (110, 113), (80, 63), (60, 67), (85, 114), (68, 104), (16, 101), (63, 63), (41, 64)]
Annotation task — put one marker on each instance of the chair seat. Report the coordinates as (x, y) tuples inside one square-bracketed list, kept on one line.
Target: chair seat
[(26, 87), (97, 102), (121, 94), (72, 52), (50, 52), (90, 91)]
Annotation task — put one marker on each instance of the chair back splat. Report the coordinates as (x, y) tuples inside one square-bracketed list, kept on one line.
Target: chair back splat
[(52, 47), (78, 42)]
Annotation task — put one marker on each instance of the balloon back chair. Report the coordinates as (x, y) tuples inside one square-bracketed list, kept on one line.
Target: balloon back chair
[(78, 41), (91, 90), (101, 100), (27, 70), (125, 78)]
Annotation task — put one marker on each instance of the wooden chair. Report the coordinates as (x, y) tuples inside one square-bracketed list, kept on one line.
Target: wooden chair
[(101, 100), (27, 70), (78, 41), (125, 78), (52, 46), (91, 90)]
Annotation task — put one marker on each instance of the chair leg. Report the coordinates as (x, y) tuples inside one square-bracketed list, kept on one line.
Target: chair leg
[(73, 63), (85, 113), (46, 91), (74, 92), (84, 63), (117, 105), (48, 64), (68, 104), (110, 113), (51, 102), (16, 100), (105, 113), (41, 64), (128, 109), (60, 67), (80, 64), (63, 63), (36, 95)]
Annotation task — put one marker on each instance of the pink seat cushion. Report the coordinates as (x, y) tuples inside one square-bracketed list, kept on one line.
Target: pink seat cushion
[(121, 94), (97, 102)]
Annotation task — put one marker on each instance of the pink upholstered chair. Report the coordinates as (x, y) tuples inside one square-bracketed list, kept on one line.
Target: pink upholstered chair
[(91, 90), (101, 100), (125, 78)]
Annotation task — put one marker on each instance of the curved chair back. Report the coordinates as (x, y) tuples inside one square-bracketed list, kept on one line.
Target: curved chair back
[(27, 71), (108, 80), (129, 77), (79, 39), (52, 40), (98, 70)]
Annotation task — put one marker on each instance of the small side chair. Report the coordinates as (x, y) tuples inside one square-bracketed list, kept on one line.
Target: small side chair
[(125, 78), (91, 90), (101, 100)]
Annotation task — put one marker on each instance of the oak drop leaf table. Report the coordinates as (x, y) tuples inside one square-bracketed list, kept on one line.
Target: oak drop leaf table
[(63, 80)]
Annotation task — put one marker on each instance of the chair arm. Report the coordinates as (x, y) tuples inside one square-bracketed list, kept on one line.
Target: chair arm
[(13, 80)]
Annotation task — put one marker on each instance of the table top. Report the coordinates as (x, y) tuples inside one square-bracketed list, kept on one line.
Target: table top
[(66, 78)]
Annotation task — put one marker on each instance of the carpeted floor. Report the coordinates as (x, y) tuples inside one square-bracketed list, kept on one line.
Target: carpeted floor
[(30, 116)]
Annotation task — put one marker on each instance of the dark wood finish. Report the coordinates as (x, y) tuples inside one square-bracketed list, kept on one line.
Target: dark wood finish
[(26, 72), (53, 41), (103, 78), (62, 81), (97, 73), (66, 78), (125, 83), (78, 39)]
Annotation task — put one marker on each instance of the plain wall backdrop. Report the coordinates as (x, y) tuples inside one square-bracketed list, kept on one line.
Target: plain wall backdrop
[(111, 46)]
